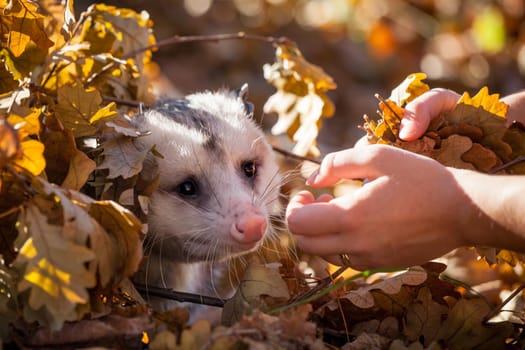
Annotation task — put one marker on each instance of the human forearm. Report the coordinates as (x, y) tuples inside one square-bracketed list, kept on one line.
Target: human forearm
[(500, 221)]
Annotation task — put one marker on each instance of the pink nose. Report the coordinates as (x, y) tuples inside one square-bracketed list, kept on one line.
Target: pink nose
[(249, 228)]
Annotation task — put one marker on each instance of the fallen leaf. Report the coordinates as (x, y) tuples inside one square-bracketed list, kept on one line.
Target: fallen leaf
[(363, 298), (464, 327), (423, 318), (257, 281)]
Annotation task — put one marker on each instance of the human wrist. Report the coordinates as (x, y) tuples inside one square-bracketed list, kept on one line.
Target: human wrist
[(485, 217)]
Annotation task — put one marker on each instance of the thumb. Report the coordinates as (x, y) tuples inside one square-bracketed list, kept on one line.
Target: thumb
[(424, 108)]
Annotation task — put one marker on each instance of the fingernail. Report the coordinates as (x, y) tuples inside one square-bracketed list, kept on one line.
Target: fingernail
[(404, 129), (313, 178)]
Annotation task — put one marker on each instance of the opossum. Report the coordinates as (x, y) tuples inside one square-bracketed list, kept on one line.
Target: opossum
[(219, 185)]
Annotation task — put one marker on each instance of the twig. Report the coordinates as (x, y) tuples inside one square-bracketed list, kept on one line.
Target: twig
[(122, 102), (325, 282), (381, 99), (289, 154), (179, 296), (177, 39), (507, 165), (186, 39), (495, 311)]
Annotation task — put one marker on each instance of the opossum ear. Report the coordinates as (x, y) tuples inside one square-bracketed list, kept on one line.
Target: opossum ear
[(242, 93)]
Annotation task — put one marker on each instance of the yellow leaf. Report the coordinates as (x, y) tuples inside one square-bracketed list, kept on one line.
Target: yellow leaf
[(292, 60), (53, 267), (26, 25), (28, 124), (489, 103), (78, 109), (21, 67), (409, 89), (22, 9), (300, 101), (105, 113), (392, 115), (32, 158), (257, 281), (9, 143)]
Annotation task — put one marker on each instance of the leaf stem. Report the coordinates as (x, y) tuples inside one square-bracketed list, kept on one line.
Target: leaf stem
[(508, 164)]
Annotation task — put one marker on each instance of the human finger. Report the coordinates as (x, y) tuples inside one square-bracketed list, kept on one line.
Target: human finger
[(326, 245), (353, 163), (420, 111), (318, 218)]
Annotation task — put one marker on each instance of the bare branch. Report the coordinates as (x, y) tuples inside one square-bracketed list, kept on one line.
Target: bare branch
[(179, 296)]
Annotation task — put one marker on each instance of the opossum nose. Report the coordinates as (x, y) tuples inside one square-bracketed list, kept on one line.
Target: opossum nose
[(249, 228)]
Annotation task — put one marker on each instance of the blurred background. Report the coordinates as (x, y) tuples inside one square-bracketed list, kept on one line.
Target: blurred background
[(367, 46)]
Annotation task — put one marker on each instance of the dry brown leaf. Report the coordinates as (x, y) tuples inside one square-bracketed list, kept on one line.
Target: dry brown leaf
[(464, 327), (424, 317), (364, 299), (451, 151), (481, 157), (258, 281)]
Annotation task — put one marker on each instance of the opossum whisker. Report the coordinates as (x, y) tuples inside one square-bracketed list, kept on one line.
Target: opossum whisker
[(177, 198), (270, 186)]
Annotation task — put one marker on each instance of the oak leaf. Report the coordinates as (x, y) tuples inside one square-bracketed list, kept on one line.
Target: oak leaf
[(257, 281), (55, 272), (424, 317), (122, 158), (300, 101), (80, 109), (26, 25), (362, 297), (409, 89), (464, 327)]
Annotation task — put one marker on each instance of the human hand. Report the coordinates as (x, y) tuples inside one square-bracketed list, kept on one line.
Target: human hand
[(409, 211), (420, 111)]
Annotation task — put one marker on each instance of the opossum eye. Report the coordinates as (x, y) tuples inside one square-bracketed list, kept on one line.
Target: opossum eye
[(187, 188), (249, 167)]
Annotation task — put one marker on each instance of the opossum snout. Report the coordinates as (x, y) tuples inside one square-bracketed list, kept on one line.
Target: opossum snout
[(248, 228)]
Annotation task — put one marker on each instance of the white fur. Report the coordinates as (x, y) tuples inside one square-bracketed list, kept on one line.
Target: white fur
[(175, 223)]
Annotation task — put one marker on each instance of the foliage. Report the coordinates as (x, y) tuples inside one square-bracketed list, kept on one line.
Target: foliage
[(472, 136), (60, 247), (300, 100)]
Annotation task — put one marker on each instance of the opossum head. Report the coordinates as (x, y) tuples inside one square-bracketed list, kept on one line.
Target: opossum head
[(219, 182)]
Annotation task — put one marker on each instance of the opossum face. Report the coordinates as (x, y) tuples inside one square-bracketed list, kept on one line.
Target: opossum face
[(218, 179)]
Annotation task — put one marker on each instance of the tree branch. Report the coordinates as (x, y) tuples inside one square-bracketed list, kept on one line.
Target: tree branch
[(175, 40), (179, 296)]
